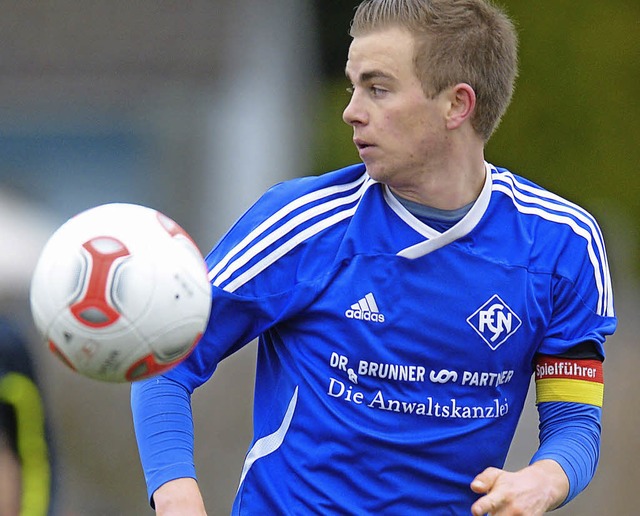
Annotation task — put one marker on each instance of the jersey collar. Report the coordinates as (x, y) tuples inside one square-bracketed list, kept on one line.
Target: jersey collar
[(434, 239)]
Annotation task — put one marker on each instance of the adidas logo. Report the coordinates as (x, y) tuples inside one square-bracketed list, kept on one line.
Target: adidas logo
[(365, 310)]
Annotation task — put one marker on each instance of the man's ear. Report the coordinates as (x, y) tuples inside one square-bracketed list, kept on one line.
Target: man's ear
[(463, 103)]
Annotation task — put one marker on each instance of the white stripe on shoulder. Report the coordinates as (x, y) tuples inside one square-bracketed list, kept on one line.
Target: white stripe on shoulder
[(270, 443), (264, 235), (556, 209), (279, 215), (290, 244), (286, 228)]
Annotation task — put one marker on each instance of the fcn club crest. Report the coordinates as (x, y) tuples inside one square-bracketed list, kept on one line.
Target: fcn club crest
[(495, 322)]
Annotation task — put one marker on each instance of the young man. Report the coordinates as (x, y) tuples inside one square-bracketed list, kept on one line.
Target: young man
[(403, 304)]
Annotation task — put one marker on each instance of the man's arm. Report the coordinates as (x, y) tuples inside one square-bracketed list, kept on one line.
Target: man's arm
[(163, 425), (180, 497), (561, 468)]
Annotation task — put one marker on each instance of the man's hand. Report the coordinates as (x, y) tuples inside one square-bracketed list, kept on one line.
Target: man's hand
[(532, 491), (180, 497)]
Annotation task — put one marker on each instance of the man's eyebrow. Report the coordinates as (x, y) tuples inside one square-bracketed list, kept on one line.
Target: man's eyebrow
[(372, 75)]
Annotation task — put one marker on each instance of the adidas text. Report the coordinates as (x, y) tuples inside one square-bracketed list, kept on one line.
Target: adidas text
[(364, 316)]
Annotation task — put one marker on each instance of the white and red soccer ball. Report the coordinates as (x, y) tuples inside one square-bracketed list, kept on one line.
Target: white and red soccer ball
[(120, 293)]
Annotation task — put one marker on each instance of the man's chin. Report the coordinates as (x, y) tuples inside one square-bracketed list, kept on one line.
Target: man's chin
[(374, 171)]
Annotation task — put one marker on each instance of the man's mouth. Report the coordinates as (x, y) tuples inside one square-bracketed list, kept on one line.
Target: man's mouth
[(361, 144)]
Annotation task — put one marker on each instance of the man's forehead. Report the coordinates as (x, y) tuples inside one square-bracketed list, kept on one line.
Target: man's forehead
[(385, 53)]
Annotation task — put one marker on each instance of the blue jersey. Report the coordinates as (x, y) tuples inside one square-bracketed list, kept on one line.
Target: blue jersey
[(394, 359)]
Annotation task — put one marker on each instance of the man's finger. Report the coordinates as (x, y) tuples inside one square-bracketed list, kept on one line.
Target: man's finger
[(485, 480), (483, 506)]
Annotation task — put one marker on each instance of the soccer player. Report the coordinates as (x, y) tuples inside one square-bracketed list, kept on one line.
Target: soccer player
[(402, 304), (25, 467)]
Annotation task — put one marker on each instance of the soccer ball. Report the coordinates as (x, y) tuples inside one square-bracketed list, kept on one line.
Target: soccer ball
[(120, 293)]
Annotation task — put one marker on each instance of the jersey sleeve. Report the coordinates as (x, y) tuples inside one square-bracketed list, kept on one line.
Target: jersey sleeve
[(581, 294), (570, 435), (271, 263), (163, 424), (264, 270)]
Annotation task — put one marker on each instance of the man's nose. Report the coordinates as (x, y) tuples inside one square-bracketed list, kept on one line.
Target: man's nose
[(354, 113)]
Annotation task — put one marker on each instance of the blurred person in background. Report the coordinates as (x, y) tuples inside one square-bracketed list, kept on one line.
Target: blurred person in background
[(25, 468), (403, 304)]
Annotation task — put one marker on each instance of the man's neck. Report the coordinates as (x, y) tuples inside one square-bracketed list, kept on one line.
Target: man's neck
[(446, 188)]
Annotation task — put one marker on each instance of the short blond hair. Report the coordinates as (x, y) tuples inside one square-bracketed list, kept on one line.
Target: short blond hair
[(457, 41)]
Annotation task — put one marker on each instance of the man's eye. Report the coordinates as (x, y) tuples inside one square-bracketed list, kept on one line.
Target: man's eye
[(376, 92), (350, 90)]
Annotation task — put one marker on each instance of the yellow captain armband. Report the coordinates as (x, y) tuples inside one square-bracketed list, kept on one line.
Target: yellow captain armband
[(569, 379)]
